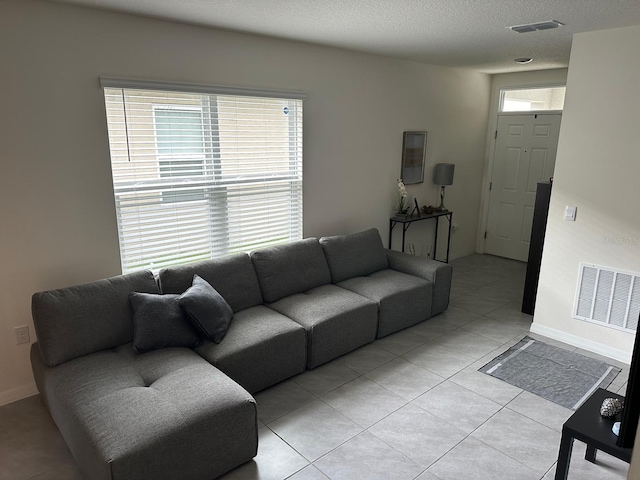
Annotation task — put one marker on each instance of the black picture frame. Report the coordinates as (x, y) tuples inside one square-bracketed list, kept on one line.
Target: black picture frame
[(414, 152)]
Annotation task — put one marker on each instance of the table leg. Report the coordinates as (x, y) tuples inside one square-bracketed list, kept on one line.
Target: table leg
[(449, 236), (435, 239), (564, 457), (404, 230), (590, 456), (391, 225)]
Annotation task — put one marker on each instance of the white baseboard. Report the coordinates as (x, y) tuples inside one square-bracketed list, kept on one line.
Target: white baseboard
[(18, 393), (590, 345)]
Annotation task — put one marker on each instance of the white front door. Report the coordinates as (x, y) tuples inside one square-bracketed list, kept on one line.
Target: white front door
[(525, 154)]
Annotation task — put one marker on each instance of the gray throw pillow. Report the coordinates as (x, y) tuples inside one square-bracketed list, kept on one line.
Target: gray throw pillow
[(207, 310), (158, 322)]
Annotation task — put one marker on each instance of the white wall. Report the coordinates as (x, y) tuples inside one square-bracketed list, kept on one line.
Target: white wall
[(557, 76), (57, 213), (597, 170)]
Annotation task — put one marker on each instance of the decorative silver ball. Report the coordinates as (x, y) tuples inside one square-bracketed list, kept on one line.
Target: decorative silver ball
[(611, 407)]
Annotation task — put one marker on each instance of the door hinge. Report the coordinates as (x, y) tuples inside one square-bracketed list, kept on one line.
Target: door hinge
[(490, 185), (485, 234), (495, 135)]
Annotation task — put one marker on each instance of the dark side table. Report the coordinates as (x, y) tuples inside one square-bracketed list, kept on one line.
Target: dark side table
[(407, 220), (588, 426)]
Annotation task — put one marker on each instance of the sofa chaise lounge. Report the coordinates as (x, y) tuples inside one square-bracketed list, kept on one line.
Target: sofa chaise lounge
[(189, 412)]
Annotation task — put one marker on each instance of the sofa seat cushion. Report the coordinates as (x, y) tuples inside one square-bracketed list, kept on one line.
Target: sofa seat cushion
[(261, 348), (164, 414), (337, 321), (403, 300)]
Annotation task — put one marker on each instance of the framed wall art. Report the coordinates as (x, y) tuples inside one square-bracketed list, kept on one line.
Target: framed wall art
[(414, 151)]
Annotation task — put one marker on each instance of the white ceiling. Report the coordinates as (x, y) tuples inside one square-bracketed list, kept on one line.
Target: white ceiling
[(456, 33)]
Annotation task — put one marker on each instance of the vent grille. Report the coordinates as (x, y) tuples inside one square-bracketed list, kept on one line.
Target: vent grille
[(608, 297), (532, 27)]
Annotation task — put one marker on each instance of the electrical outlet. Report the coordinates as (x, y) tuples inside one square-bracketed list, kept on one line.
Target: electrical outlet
[(22, 334)]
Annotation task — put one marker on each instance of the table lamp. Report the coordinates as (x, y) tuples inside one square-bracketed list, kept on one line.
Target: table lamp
[(443, 175)]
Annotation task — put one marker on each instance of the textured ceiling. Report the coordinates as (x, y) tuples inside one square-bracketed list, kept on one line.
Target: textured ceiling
[(457, 33)]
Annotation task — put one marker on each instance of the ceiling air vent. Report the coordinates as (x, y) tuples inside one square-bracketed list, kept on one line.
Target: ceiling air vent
[(532, 27)]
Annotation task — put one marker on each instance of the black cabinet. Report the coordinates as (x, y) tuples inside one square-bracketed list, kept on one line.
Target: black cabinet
[(538, 229)]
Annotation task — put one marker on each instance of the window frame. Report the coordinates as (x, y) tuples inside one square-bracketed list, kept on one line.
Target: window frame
[(503, 90), (212, 176)]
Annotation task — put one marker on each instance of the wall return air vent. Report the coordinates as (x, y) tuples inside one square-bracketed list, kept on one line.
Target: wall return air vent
[(608, 297)]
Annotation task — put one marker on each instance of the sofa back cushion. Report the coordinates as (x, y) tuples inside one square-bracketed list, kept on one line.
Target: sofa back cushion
[(291, 268), (232, 276), (75, 321), (354, 255)]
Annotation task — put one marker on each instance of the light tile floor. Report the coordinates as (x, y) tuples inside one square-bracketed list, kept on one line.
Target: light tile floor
[(409, 406)]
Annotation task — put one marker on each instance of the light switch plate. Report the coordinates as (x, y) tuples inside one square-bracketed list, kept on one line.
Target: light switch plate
[(22, 334), (570, 213)]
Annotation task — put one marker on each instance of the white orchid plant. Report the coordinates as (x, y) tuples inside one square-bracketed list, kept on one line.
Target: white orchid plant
[(402, 204)]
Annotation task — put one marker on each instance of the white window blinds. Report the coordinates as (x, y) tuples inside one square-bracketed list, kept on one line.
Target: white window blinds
[(197, 176)]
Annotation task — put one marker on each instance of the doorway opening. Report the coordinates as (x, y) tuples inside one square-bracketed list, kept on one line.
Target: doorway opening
[(526, 140), (525, 154)]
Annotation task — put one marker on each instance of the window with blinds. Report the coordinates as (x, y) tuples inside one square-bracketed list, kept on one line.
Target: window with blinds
[(200, 175)]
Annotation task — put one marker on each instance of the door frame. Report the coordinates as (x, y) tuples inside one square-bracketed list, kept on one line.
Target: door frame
[(491, 150), (516, 246)]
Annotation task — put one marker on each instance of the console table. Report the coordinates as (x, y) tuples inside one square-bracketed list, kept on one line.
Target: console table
[(407, 220), (589, 427)]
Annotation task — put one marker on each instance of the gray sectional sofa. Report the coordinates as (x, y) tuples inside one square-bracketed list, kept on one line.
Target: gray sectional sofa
[(188, 412)]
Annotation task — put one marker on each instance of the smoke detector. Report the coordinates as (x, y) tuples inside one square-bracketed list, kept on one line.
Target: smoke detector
[(532, 27)]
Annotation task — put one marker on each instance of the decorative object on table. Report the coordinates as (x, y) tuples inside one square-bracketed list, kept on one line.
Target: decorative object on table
[(428, 209), (616, 428), (563, 377), (414, 148), (443, 176), (401, 207), (416, 208), (611, 407)]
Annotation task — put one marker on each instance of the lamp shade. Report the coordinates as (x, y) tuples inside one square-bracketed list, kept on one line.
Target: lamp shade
[(443, 174)]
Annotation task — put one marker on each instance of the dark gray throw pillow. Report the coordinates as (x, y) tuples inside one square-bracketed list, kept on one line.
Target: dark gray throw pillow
[(207, 310), (158, 322)]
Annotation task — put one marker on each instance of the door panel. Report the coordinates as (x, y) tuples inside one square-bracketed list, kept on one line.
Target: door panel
[(506, 212), (526, 225), (512, 164), (543, 131), (537, 168), (524, 155)]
